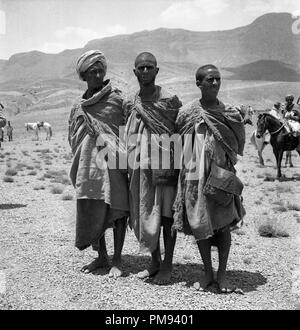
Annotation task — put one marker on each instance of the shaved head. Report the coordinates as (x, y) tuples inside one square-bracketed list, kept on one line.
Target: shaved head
[(145, 57), (204, 70)]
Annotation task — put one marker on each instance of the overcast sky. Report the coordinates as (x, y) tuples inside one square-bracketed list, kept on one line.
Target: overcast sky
[(54, 25)]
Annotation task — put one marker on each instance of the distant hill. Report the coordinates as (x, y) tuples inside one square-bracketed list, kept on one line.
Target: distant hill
[(266, 70), (268, 38), (264, 50)]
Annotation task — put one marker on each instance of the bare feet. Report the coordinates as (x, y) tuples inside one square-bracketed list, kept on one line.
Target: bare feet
[(100, 262), (163, 276), (115, 272), (223, 285), (205, 283), (149, 272)]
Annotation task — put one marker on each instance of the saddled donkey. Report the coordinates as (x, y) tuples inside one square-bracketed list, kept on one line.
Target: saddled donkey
[(33, 127), (280, 139), (48, 129)]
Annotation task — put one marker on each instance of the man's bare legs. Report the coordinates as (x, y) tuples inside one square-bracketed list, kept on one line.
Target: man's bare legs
[(223, 240), (154, 266), (165, 270), (101, 261), (119, 237), (204, 247)]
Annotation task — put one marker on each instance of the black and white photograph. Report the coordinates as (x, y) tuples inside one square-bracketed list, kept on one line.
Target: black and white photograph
[(150, 157)]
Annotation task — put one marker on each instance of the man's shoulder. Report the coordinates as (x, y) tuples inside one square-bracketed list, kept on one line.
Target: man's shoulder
[(166, 94), (187, 109)]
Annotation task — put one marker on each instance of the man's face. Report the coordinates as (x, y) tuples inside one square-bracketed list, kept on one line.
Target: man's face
[(210, 85), (146, 72), (94, 75)]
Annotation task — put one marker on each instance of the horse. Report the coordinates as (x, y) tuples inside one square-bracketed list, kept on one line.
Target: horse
[(37, 126), (261, 143), (47, 127), (33, 127), (280, 138)]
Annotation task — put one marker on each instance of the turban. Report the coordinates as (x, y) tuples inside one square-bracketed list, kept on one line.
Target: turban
[(88, 59)]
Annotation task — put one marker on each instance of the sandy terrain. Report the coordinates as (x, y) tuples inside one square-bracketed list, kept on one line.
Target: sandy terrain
[(40, 267)]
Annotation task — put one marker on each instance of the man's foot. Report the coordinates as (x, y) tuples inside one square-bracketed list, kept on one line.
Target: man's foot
[(225, 287), (100, 262), (149, 272), (207, 281), (115, 272), (163, 276)]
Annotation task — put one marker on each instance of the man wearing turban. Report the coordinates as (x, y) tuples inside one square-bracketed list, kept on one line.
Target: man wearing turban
[(102, 195)]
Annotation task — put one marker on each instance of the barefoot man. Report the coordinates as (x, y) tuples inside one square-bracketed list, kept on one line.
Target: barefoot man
[(151, 112), (208, 202), (102, 193), (2, 120)]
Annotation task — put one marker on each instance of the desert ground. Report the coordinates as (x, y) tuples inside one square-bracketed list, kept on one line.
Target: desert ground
[(40, 267)]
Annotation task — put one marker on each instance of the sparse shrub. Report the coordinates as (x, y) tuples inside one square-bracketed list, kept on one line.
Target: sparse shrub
[(57, 190), (20, 166), (29, 167), (269, 179), (32, 173), (67, 197), (48, 162), (247, 261), (293, 207), (258, 202), (67, 156), (272, 229), (8, 179), (40, 187), (280, 208), (239, 232), (11, 172), (283, 189), (63, 180), (259, 176), (43, 151), (2, 156)]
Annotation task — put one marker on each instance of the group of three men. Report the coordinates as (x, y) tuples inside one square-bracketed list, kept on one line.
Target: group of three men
[(203, 198)]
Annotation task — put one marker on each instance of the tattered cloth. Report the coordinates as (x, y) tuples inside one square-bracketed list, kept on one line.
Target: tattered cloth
[(90, 117), (145, 119), (218, 136), (224, 122)]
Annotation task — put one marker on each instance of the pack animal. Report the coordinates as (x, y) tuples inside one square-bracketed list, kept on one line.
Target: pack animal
[(280, 138)]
